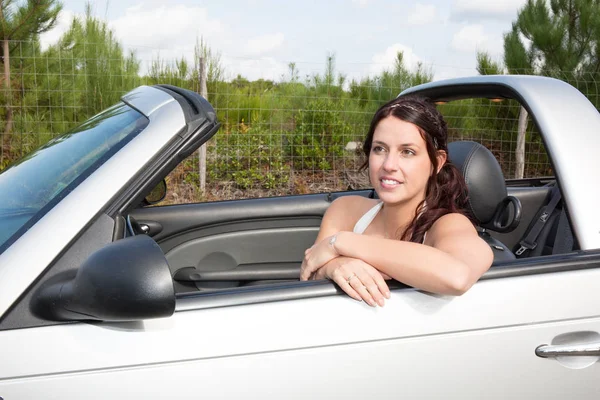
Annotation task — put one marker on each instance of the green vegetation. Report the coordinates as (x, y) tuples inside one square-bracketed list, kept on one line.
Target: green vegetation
[(272, 132)]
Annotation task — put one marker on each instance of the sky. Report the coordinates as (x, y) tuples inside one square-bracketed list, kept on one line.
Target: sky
[(259, 38)]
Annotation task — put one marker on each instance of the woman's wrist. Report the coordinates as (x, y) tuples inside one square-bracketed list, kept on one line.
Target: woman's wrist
[(322, 273), (340, 240), (332, 241)]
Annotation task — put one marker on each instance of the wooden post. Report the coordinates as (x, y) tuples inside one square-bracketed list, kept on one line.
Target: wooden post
[(202, 150), (520, 150)]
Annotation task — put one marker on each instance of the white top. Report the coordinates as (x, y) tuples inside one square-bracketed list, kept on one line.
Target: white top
[(364, 221)]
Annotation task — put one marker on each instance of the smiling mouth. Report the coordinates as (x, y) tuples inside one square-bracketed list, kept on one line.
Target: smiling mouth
[(390, 182)]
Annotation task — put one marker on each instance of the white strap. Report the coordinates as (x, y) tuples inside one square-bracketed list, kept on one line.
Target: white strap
[(365, 220)]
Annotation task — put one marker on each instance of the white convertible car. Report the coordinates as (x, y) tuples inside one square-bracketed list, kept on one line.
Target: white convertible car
[(102, 298)]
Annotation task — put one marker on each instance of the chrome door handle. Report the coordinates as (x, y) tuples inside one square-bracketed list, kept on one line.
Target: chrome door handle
[(547, 350)]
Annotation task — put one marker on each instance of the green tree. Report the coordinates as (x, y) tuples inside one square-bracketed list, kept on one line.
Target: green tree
[(89, 67), (558, 38), (487, 66), (372, 92), (20, 22)]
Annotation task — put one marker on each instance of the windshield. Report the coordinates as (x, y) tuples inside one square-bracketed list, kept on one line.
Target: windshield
[(33, 185)]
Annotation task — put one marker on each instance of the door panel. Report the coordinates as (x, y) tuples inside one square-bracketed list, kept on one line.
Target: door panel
[(224, 236), (179, 219), (481, 344), (260, 247)]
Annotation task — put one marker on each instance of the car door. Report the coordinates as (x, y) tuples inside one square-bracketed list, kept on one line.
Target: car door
[(302, 339)]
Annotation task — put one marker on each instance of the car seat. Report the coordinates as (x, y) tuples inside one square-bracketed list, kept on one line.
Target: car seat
[(489, 202)]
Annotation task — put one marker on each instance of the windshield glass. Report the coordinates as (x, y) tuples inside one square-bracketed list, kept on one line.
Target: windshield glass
[(33, 185)]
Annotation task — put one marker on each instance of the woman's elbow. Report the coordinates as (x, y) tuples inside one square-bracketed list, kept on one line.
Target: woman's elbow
[(465, 278), (460, 284)]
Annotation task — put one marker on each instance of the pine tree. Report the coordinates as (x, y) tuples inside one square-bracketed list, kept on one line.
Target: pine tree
[(558, 38), (20, 22)]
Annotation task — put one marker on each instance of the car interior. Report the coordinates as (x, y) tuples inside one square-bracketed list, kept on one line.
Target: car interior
[(227, 244)]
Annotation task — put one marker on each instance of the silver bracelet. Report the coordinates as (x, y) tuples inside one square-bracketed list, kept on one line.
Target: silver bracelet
[(332, 243)]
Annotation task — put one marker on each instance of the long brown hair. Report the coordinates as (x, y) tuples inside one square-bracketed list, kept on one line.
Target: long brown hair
[(446, 190)]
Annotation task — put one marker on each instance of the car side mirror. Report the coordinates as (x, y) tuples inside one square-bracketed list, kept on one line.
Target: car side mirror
[(127, 280), (157, 194)]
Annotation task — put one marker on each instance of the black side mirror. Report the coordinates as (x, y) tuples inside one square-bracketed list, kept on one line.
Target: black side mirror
[(127, 280), (157, 194)]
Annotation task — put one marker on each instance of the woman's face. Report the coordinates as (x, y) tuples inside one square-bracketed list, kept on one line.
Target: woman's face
[(399, 165)]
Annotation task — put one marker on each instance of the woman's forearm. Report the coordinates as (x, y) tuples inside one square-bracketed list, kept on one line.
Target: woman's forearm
[(414, 264)]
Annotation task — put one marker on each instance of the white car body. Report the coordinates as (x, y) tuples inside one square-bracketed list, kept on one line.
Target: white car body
[(299, 341)]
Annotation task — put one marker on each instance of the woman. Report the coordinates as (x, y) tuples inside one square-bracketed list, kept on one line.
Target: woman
[(418, 232)]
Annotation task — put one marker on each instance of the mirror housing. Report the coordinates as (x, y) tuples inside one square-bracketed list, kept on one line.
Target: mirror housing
[(127, 280)]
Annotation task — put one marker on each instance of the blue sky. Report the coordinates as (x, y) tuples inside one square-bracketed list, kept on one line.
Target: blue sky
[(258, 38)]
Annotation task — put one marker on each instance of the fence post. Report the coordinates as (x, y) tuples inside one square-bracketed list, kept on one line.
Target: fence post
[(202, 150), (520, 151)]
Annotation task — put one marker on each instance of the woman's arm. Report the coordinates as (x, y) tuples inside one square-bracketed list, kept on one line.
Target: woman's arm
[(341, 216), (454, 259)]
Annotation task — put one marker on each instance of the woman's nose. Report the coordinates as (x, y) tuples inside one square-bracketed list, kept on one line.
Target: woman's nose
[(390, 163)]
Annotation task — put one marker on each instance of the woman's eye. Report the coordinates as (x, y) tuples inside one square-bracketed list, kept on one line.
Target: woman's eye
[(378, 149), (408, 152)]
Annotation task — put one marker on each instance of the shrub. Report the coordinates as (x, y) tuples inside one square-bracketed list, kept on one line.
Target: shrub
[(251, 157), (319, 137)]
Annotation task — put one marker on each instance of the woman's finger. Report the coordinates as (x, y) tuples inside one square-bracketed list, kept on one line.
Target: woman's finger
[(307, 269), (359, 286), (342, 282), (379, 280), (372, 289), (303, 275)]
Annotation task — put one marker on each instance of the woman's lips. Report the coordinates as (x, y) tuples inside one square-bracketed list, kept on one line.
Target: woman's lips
[(390, 183)]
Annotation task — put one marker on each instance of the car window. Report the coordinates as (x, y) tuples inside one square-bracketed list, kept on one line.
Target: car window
[(33, 185)]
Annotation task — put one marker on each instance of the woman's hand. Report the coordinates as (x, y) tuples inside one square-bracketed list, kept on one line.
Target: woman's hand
[(317, 256), (358, 279)]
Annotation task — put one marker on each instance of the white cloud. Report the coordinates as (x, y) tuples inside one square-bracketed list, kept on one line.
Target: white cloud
[(422, 14), (469, 39), (387, 59), (362, 3), (252, 69), (465, 9), (472, 38), (65, 18), (446, 72), (165, 26), (264, 44), (493, 7), (166, 32)]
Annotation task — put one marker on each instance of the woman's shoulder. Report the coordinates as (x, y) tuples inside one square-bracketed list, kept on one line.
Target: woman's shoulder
[(452, 222), (350, 208)]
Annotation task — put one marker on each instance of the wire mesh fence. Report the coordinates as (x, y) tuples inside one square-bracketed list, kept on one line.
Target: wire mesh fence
[(283, 136)]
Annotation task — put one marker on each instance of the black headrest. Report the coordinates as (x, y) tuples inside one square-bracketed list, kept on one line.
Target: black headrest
[(485, 181)]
